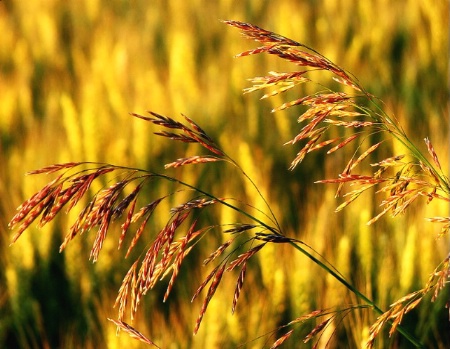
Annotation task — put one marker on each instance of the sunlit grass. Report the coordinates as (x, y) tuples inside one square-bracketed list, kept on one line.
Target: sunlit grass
[(72, 72)]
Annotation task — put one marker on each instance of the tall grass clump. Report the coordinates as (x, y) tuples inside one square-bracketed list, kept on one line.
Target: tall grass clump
[(341, 115)]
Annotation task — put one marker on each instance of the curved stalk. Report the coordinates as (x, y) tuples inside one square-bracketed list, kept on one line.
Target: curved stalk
[(413, 340)]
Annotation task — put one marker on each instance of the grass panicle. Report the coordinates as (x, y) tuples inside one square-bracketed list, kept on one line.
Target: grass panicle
[(400, 178)]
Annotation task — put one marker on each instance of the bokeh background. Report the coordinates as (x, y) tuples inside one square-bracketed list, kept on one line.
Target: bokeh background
[(72, 71)]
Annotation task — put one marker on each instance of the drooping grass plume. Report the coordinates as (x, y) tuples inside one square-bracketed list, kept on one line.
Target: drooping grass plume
[(400, 178)]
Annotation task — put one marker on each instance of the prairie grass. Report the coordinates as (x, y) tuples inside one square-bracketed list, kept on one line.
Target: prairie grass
[(39, 104)]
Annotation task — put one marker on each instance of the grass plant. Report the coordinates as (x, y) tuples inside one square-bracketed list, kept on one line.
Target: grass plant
[(337, 116)]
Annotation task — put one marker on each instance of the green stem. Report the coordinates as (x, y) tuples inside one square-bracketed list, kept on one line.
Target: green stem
[(360, 295), (211, 196)]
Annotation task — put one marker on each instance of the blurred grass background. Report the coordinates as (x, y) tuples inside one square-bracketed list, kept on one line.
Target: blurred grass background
[(70, 72)]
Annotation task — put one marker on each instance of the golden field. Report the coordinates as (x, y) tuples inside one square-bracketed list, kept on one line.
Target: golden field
[(71, 73)]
